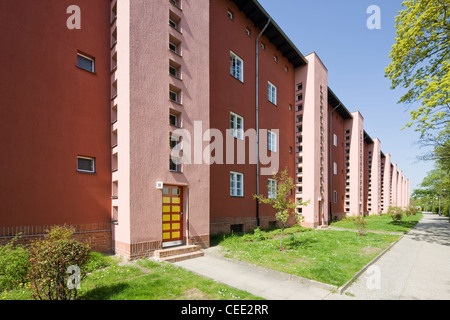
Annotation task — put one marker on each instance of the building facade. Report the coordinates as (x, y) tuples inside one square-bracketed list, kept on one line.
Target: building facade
[(152, 124)]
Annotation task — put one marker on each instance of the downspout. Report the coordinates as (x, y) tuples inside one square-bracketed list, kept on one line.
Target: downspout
[(331, 162), (257, 119)]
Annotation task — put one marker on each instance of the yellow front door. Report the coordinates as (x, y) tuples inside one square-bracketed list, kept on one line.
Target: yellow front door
[(172, 215)]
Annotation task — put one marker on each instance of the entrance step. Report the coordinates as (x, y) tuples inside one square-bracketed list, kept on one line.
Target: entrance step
[(178, 253)]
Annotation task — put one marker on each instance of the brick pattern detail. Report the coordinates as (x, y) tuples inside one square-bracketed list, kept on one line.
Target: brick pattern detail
[(98, 235), (223, 225), (142, 250)]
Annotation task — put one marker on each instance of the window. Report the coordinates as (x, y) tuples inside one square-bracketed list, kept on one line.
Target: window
[(173, 47), (173, 24), (248, 32), (236, 184), (272, 141), (86, 164), (272, 93), (335, 168), (335, 140), (173, 120), (237, 126), (299, 86), (173, 71), (175, 142), (230, 15), (272, 189), (335, 196), (85, 63), (173, 96), (175, 2), (175, 165), (236, 67)]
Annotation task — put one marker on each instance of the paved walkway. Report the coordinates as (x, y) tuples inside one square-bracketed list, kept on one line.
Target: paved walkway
[(417, 267)]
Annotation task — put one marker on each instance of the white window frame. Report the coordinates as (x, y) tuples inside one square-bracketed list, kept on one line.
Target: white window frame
[(176, 117), (272, 93), (272, 189), (272, 141), (335, 168), (335, 196), (234, 190), (176, 95), (236, 132), (87, 58), (335, 140), (86, 171), (236, 67)]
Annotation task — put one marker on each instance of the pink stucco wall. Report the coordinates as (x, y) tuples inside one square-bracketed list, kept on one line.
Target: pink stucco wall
[(315, 141)]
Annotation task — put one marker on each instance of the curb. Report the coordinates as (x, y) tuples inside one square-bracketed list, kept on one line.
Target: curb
[(341, 290)]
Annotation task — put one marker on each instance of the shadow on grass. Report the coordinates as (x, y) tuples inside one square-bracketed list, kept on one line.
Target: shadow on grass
[(404, 224), (104, 292)]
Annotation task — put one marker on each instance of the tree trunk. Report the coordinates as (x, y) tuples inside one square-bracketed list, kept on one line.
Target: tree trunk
[(281, 238)]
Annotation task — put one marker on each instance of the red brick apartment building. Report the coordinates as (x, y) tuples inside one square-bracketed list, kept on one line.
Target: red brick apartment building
[(93, 114)]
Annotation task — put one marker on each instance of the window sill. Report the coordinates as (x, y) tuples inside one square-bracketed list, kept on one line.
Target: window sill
[(175, 77), (241, 81), (177, 103), (94, 73), (87, 172)]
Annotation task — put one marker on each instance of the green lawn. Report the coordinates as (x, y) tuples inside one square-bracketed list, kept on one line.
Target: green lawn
[(383, 223), (327, 256), (145, 280)]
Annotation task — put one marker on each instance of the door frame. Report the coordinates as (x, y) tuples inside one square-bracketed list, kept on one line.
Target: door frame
[(173, 241)]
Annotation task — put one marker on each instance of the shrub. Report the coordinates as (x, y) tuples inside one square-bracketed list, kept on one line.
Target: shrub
[(396, 213), (14, 265), (360, 224), (50, 259), (411, 210), (258, 235)]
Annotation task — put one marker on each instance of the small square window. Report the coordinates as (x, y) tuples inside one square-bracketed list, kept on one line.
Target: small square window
[(174, 96), (86, 164), (230, 15), (85, 63), (175, 165), (173, 120)]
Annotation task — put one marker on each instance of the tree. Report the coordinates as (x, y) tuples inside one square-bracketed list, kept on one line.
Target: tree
[(421, 62), (281, 200)]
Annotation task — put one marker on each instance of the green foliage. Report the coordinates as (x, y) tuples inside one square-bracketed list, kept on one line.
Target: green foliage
[(50, 259), (97, 261), (283, 203), (14, 265), (258, 235), (420, 61), (396, 213), (360, 224)]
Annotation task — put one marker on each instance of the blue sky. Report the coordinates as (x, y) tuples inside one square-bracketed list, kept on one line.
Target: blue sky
[(356, 57)]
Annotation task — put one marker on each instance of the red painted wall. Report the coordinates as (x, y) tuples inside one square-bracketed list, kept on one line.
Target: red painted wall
[(230, 95), (338, 156), (52, 111)]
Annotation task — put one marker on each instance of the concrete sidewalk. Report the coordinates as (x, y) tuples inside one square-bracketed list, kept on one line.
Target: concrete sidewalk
[(417, 267), (264, 283)]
